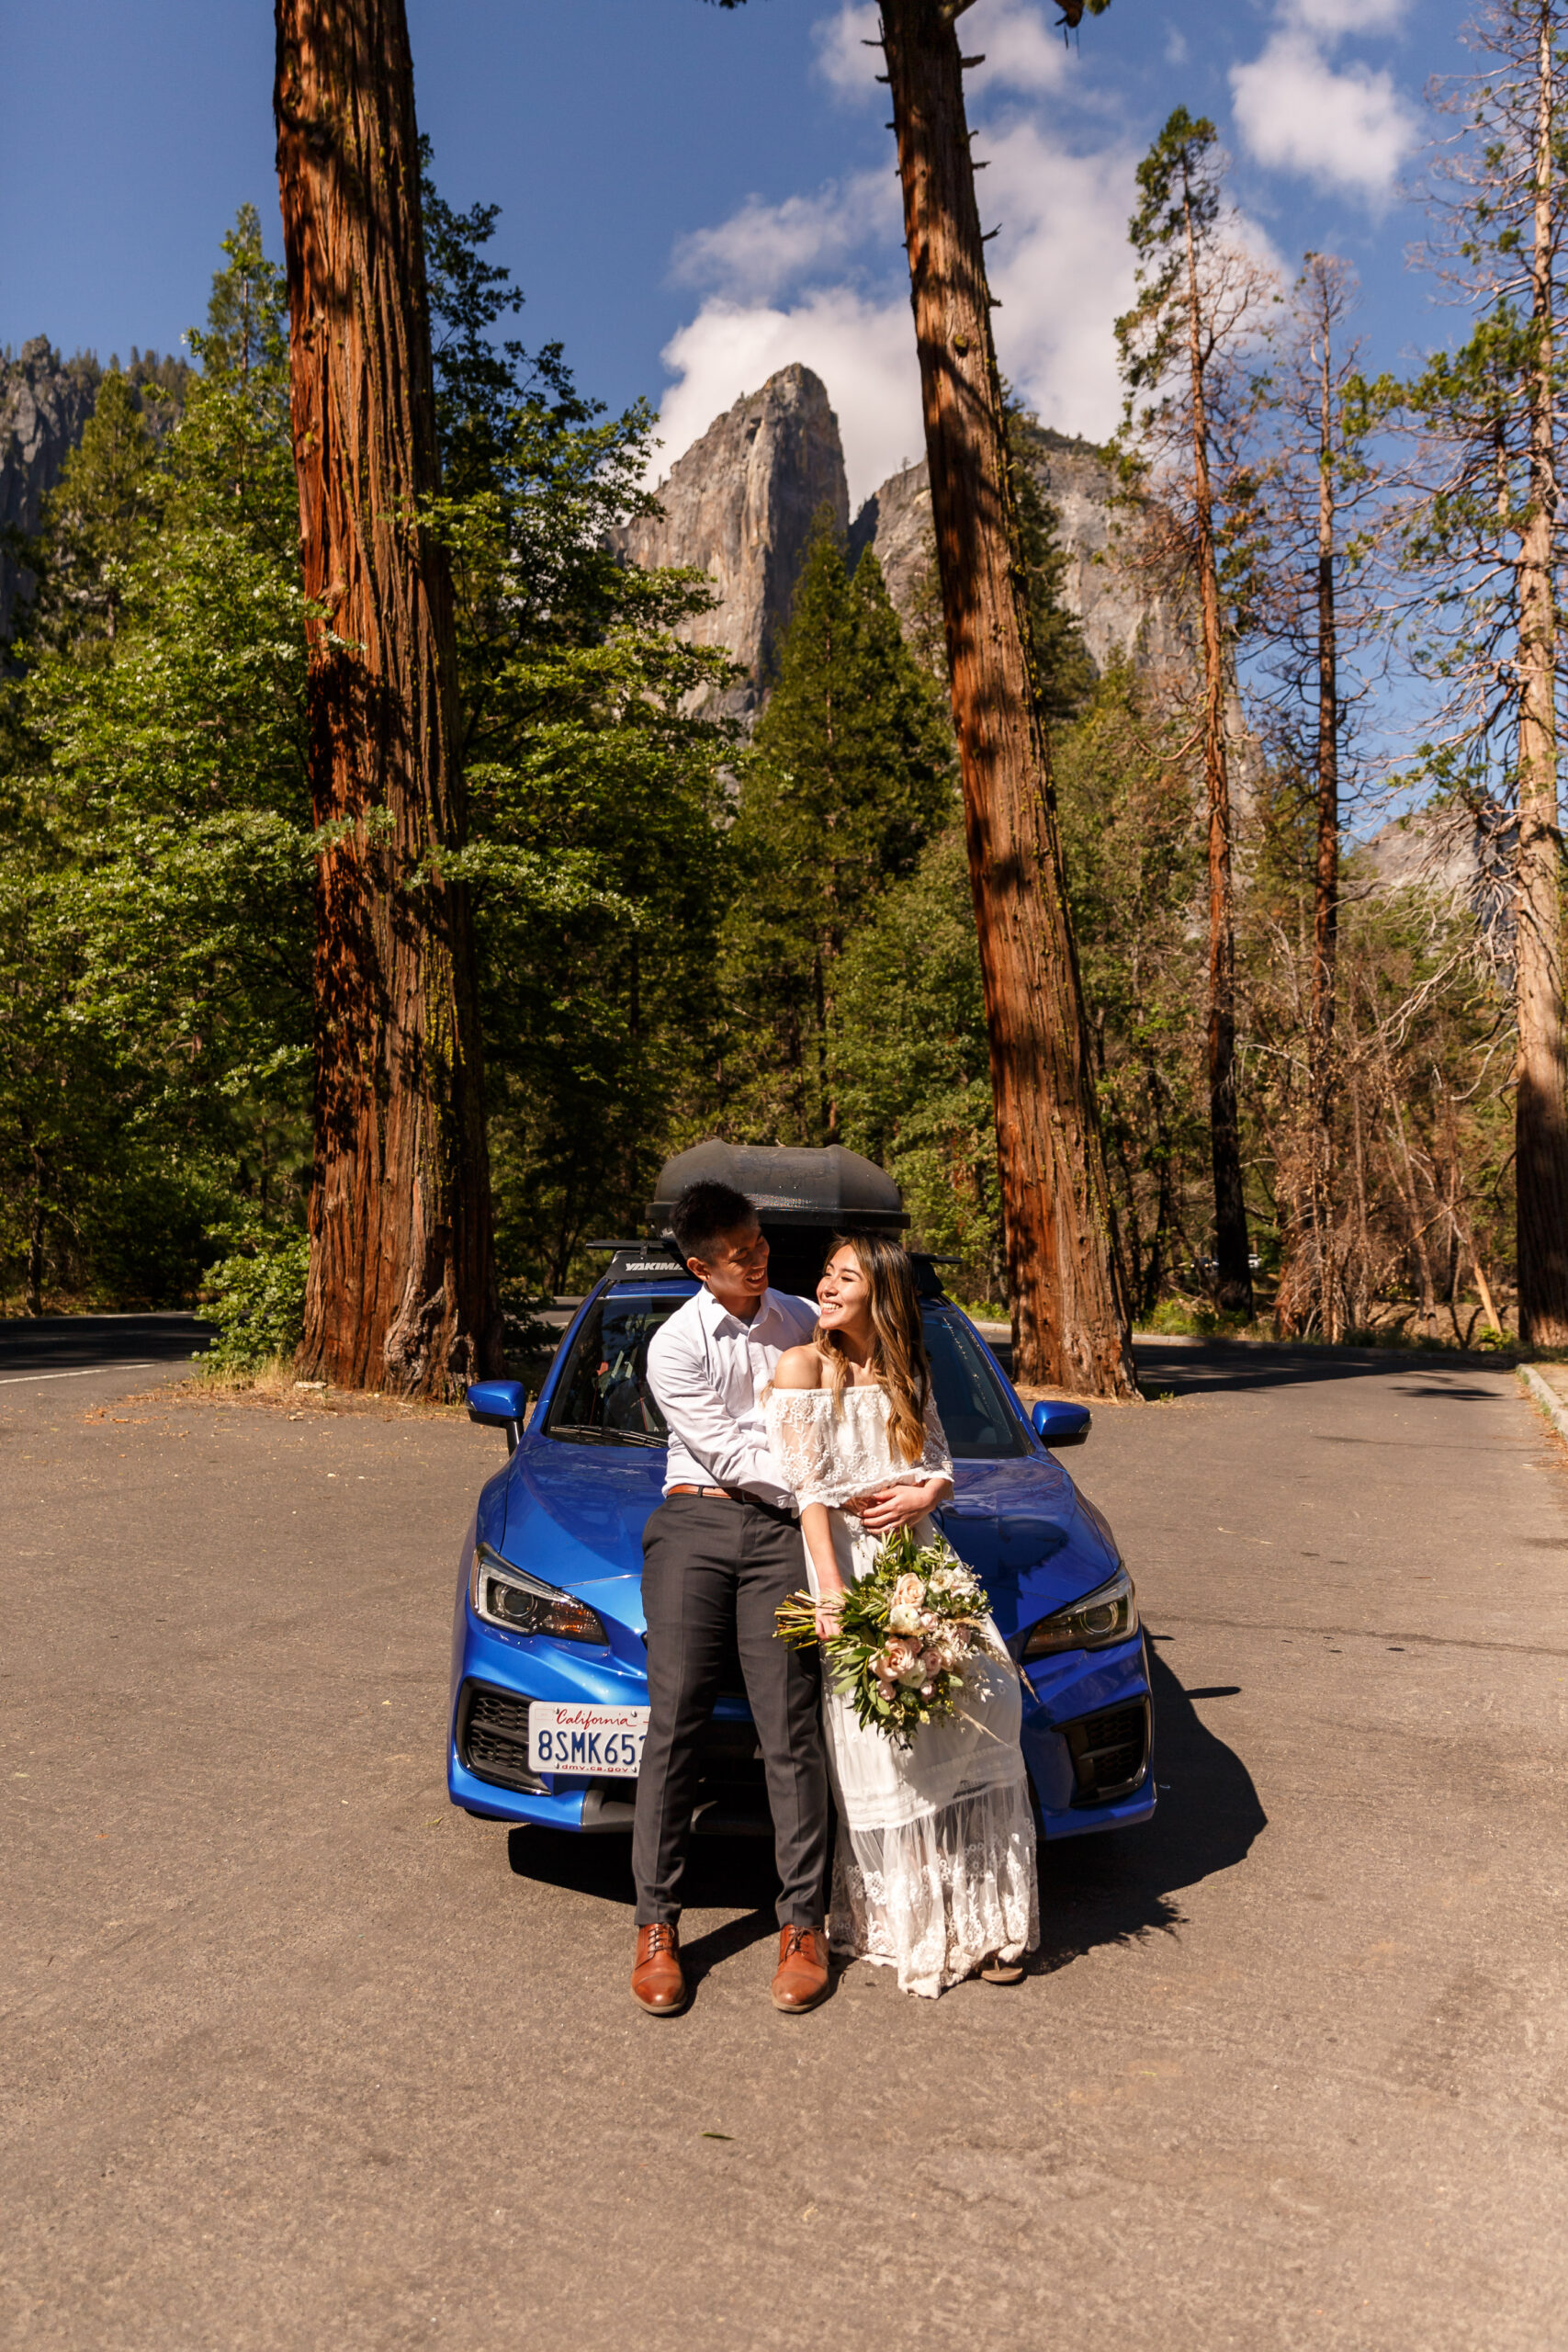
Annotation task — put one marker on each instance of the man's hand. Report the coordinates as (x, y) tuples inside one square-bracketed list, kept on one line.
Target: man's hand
[(890, 1507)]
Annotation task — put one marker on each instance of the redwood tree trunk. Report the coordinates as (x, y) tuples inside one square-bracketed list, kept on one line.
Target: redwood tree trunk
[(1542, 1099), (1232, 1253), (1326, 893), (401, 1290), (1070, 1322)]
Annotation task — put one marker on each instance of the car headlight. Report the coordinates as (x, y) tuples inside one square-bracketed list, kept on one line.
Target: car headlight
[(503, 1595), (1108, 1614)]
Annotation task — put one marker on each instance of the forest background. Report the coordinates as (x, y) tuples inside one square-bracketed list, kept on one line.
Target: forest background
[(681, 931)]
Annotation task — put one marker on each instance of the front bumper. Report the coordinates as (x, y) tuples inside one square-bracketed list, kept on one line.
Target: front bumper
[(495, 1676), (1088, 1739), (1087, 1734)]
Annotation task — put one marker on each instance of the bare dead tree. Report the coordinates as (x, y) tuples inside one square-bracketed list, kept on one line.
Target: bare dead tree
[(1485, 539), (1316, 626), (1185, 346)]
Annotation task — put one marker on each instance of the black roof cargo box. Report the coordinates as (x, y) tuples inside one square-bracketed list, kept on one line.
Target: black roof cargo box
[(832, 1189), (802, 1198)]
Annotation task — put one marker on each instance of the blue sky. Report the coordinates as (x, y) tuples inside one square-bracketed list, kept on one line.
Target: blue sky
[(692, 199)]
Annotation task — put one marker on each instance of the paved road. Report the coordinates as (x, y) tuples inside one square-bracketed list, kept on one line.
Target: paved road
[(293, 2055), (69, 1347)]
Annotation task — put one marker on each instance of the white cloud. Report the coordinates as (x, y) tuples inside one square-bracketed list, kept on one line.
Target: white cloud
[(1023, 50), (1022, 53), (844, 57), (1332, 17), (1295, 112), (765, 247), (1060, 267), (1064, 269), (862, 349), (820, 279)]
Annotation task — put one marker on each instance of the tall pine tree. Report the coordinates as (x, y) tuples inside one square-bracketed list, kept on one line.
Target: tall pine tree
[(848, 774)]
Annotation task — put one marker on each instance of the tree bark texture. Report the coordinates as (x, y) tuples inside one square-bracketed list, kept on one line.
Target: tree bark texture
[(1541, 1118), (1326, 890), (1232, 1252), (403, 1292), (1070, 1319)]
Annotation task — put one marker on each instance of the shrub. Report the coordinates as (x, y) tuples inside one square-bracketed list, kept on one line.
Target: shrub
[(259, 1306)]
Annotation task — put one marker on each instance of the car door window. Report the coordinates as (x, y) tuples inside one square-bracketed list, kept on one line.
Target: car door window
[(975, 1412)]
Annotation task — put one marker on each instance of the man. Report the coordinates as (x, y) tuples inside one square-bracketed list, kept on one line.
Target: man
[(720, 1555)]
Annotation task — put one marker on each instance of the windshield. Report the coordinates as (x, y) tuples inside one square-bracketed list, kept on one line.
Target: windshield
[(604, 1398)]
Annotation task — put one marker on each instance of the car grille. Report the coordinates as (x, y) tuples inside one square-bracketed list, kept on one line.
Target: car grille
[(492, 1737), (492, 1743), (1110, 1752)]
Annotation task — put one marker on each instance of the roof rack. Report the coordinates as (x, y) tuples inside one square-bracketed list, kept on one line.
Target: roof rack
[(643, 1256)]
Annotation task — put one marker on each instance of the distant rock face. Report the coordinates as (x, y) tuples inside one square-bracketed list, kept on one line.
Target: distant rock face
[(739, 505), (44, 403), (1448, 852), (1124, 612), (896, 525)]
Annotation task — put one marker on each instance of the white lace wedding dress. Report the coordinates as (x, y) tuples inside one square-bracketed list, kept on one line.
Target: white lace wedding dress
[(934, 1868)]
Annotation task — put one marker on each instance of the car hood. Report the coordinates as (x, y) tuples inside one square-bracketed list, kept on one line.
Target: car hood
[(1030, 1536), (575, 1516)]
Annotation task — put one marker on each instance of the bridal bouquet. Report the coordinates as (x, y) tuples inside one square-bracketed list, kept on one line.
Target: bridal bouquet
[(906, 1633)]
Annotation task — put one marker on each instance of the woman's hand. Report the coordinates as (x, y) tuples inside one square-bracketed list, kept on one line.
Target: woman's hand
[(890, 1507), (828, 1604)]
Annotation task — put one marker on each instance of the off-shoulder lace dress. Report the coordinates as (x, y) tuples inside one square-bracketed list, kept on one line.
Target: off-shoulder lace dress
[(934, 1868)]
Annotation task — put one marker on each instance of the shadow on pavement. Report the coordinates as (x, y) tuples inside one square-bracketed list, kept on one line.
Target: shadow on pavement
[(1213, 1367), (45, 1343), (722, 1875), (1093, 1891), (1114, 1889)]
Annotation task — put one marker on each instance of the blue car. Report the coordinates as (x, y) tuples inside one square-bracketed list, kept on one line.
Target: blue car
[(549, 1686)]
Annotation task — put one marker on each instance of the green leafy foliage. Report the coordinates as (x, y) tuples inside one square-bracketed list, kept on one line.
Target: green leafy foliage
[(258, 1305), (154, 910), (593, 790), (905, 1631), (848, 774)]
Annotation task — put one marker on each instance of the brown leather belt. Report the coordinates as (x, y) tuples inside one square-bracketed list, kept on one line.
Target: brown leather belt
[(739, 1495)]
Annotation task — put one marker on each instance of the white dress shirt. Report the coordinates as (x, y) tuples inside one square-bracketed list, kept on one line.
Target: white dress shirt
[(707, 1369)]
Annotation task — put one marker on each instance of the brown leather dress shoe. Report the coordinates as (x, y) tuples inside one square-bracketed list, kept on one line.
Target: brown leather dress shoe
[(801, 1978), (658, 1981)]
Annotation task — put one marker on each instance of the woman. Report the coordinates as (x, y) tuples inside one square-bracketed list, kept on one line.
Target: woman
[(934, 1871)]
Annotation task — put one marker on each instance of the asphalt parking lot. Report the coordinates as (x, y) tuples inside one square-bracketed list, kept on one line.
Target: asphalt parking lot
[(293, 2055)]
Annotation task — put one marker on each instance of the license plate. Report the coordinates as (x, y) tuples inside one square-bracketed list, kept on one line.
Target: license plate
[(566, 1737)]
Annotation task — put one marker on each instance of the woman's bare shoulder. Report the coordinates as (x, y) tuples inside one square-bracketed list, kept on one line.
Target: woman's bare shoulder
[(799, 1368)]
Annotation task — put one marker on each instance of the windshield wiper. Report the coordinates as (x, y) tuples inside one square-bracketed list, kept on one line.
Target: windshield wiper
[(602, 1437)]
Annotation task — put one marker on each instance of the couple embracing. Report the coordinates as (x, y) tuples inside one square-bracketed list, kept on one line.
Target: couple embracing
[(800, 1440)]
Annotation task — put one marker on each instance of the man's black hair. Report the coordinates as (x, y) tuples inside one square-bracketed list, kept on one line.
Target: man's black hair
[(703, 1211)]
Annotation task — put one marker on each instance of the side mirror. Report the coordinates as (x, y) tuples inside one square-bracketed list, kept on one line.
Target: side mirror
[(1055, 1423), (500, 1404)]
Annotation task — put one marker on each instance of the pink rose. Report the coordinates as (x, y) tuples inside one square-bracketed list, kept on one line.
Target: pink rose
[(907, 1593)]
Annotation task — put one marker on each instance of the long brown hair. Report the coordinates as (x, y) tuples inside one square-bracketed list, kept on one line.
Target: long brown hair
[(898, 1357)]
